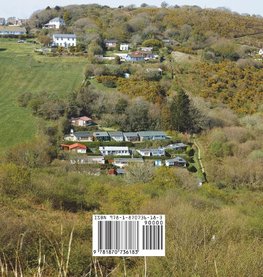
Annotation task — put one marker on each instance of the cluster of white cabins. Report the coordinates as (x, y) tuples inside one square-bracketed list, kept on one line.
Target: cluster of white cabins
[(123, 155), (70, 40)]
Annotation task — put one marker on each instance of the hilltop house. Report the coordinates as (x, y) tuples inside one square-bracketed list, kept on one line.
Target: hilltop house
[(64, 40), (151, 152), (82, 121), (152, 135), (177, 161), (55, 23), (12, 30), (76, 147), (114, 150), (124, 47), (116, 136)]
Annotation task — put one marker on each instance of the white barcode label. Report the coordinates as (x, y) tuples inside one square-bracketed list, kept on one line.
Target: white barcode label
[(128, 235)]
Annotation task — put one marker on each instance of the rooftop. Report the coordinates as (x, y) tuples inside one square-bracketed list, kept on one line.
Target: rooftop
[(128, 160), (83, 134), (64, 36), (116, 134), (151, 133), (56, 19), (130, 134), (100, 134), (112, 148), (177, 159), (12, 29)]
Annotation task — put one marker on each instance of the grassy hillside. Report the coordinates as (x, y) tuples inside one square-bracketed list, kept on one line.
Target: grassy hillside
[(23, 71)]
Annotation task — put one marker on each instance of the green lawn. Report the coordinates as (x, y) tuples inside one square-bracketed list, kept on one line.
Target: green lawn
[(21, 70)]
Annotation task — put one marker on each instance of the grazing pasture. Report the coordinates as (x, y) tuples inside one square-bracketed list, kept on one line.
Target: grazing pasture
[(22, 70)]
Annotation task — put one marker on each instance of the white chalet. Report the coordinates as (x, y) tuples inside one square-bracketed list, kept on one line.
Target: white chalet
[(64, 40), (114, 150), (124, 47), (55, 23), (151, 152)]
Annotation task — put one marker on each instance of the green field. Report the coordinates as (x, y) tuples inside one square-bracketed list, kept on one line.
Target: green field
[(21, 70)]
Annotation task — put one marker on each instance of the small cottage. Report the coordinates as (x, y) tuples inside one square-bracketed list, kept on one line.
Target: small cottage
[(76, 147), (101, 136), (177, 146), (151, 135), (124, 47), (122, 162), (110, 43), (116, 136), (177, 161), (82, 121), (131, 136), (151, 152)]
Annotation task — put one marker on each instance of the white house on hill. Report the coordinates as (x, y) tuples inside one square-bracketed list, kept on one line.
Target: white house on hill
[(55, 23), (64, 40)]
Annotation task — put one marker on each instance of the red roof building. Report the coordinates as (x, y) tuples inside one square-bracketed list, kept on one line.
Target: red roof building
[(76, 147)]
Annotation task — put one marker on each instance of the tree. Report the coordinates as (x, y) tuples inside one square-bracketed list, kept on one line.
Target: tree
[(45, 40), (164, 4), (180, 112), (66, 16)]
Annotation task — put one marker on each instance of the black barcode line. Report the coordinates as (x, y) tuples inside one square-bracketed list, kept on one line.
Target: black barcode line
[(152, 236), (116, 235)]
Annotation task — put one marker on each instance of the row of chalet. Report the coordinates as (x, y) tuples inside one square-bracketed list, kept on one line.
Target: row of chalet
[(112, 44), (12, 30), (122, 150), (86, 136), (124, 162)]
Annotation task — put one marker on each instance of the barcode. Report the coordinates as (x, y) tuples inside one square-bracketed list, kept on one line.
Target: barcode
[(128, 235), (152, 237), (118, 235)]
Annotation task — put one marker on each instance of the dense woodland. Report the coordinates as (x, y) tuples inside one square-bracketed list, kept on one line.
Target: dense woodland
[(212, 94)]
